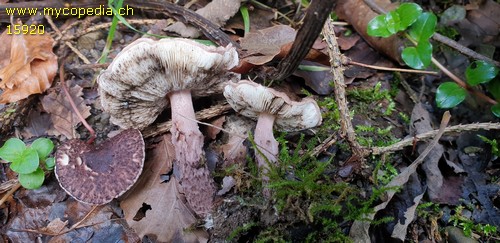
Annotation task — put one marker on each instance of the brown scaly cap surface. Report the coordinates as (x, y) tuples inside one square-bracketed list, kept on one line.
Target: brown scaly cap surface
[(134, 87), (97, 175)]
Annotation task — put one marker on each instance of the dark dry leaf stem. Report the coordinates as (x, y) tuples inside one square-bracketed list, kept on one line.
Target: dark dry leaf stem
[(73, 106)]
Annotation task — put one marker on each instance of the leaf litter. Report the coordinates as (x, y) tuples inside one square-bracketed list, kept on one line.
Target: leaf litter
[(449, 174)]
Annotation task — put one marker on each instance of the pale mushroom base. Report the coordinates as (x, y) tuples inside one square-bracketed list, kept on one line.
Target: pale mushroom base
[(187, 139)]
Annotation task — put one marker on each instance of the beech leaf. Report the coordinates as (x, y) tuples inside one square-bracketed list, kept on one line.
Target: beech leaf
[(31, 69)]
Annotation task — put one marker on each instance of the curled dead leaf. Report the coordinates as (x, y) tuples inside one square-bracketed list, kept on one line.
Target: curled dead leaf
[(31, 69)]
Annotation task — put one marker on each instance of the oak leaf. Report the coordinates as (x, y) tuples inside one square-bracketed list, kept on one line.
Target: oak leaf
[(31, 69)]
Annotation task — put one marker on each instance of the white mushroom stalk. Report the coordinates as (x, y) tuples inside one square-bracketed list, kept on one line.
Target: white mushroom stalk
[(271, 108), (148, 75)]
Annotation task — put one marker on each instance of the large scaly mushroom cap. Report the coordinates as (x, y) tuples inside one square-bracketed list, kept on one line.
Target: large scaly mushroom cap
[(133, 89), (251, 99), (97, 175)]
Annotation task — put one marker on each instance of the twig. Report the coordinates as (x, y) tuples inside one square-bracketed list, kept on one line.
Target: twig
[(205, 114), (73, 105), (351, 62), (424, 136), (339, 88), (324, 145), (317, 13), (9, 193), (97, 27), (67, 43)]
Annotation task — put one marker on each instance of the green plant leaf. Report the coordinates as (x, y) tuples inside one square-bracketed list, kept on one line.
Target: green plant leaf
[(12, 149), (50, 163), (418, 57), (32, 180), (408, 14), (494, 87), (246, 18), (480, 72), (27, 162), (449, 95), (496, 110), (392, 22), (378, 27), (43, 146), (424, 27)]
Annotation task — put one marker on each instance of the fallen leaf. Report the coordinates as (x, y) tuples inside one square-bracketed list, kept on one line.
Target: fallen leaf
[(217, 12), (157, 208), (259, 19), (228, 182), (62, 115), (212, 131), (234, 150), (5, 49), (55, 226), (440, 189), (320, 81), (36, 124), (263, 45), (32, 67)]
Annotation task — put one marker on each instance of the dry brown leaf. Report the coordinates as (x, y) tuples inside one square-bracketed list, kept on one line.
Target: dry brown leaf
[(212, 132), (263, 45), (234, 150), (32, 67), (4, 49), (36, 124), (167, 216), (217, 12), (63, 118)]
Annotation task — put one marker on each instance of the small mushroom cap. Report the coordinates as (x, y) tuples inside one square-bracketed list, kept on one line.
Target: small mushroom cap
[(133, 89), (97, 175), (251, 99)]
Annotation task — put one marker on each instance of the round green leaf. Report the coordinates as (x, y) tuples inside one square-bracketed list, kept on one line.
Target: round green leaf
[(449, 95), (378, 27), (26, 163), (392, 21), (418, 57), (50, 163), (43, 146), (496, 110), (12, 149), (408, 14), (480, 72), (424, 27), (32, 180), (494, 88)]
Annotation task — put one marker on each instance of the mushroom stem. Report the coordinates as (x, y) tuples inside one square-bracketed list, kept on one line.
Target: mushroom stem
[(188, 143), (267, 145)]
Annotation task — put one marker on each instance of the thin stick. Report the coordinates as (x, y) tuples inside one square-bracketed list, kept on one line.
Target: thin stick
[(9, 193), (73, 105), (424, 136), (351, 62), (67, 43)]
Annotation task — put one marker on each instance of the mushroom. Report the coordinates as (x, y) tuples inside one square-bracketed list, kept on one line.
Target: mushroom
[(148, 74), (270, 108), (97, 175)]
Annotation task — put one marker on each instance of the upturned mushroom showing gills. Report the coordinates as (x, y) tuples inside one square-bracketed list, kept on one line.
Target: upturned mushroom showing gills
[(271, 108), (146, 76), (97, 175)]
